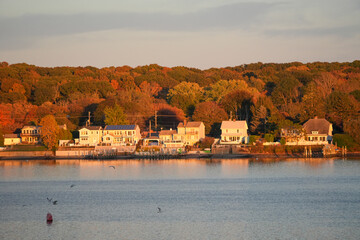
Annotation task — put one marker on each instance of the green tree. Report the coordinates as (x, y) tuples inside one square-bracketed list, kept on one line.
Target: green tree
[(211, 115), (115, 115), (185, 96), (339, 107), (221, 88), (258, 120), (65, 134), (238, 102), (49, 132), (352, 127)]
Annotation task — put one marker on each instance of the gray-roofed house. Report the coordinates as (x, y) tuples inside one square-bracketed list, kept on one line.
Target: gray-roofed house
[(90, 135), (120, 135), (234, 132), (318, 131)]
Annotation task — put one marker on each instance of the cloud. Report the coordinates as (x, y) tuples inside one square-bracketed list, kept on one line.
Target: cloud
[(341, 31), (21, 31)]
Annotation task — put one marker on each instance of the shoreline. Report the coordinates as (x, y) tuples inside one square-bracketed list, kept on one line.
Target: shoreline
[(48, 156)]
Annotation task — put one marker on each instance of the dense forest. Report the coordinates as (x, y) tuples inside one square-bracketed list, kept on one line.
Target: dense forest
[(269, 96)]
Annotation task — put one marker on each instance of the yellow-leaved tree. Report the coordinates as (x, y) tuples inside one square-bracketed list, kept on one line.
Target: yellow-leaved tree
[(49, 132)]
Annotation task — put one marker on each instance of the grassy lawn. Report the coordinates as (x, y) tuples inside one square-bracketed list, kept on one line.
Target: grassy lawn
[(27, 148)]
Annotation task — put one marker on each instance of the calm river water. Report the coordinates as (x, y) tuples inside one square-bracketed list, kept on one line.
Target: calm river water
[(199, 199)]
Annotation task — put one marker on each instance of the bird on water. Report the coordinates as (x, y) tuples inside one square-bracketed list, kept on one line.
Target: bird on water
[(159, 210), (112, 167)]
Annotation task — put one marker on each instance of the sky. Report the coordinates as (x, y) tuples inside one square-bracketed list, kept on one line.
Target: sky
[(191, 33)]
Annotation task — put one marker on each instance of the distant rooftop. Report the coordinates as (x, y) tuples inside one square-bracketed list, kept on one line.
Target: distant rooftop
[(11, 135), (321, 125), (120, 127), (190, 124), (234, 124), (167, 132), (92, 127)]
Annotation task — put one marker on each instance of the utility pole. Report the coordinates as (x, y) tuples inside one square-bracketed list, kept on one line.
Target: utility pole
[(155, 120), (88, 121), (149, 128)]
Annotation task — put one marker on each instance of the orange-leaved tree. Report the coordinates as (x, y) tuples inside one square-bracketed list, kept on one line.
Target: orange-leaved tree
[(49, 132)]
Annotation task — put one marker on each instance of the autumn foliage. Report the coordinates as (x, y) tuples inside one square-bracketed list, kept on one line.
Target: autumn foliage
[(263, 94)]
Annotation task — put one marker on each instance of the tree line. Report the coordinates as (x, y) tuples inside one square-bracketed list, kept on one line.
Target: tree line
[(268, 96)]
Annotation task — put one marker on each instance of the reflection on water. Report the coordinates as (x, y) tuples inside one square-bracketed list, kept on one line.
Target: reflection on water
[(199, 198)]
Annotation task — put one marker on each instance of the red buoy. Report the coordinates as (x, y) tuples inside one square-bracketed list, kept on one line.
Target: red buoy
[(49, 218)]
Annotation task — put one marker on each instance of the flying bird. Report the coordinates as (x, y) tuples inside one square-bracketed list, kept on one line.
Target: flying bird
[(55, 202), (112, 167), (49, 199)]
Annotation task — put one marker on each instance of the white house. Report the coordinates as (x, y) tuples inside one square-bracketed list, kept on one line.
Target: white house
[(234, 132), (90, 136), (121, 135), (11, 139)]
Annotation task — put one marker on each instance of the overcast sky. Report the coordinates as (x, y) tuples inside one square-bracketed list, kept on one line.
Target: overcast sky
[(193, 33)]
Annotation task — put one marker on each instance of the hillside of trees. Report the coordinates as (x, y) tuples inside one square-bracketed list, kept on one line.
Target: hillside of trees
[(269, 96)]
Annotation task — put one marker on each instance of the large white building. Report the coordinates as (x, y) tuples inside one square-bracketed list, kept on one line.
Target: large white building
[(118, 135), (90, 135), (234, 132)]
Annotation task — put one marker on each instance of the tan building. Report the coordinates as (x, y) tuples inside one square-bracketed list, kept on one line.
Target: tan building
[(170, 139), (234, 132), (117, 135), (190, 132), (90, 136), (11, 139), (30, 134)]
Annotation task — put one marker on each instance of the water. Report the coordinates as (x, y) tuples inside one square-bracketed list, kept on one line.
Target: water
[(199, 199)]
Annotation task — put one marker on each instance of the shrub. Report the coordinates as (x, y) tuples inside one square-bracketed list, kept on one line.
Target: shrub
[(342, 140), (206, 142), (253, 138), (269, 137)]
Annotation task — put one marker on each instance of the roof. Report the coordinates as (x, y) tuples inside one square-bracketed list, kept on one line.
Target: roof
[(120, 127), (321, 125), (11, 136), (234, 125), (190, 124), (167, 132), (92, 127), (31, 126)]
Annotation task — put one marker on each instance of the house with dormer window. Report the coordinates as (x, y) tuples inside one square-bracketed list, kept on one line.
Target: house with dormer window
[(318, 131)]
